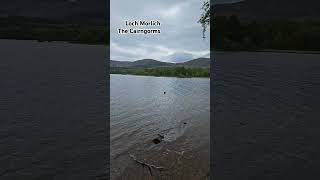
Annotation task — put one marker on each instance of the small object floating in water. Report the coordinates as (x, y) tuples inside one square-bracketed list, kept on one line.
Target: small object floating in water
[(164, 92), (184, 123)]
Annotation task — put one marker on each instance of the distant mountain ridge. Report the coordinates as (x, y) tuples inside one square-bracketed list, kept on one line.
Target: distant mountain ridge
[(151, 63), (199, 62)]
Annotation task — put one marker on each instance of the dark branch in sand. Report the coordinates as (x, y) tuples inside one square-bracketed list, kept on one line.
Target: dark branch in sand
[(177, 152), (150, 166)]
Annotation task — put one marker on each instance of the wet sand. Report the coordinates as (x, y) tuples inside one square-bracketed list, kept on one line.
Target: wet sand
[(173, 160)]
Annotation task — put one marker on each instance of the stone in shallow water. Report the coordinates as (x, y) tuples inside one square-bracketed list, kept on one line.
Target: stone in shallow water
[(160, 136), (156, 140)]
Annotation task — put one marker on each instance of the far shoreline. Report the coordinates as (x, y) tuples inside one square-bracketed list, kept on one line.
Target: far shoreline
[(214, 51), (268, 51), (191, 77), (58, 41)]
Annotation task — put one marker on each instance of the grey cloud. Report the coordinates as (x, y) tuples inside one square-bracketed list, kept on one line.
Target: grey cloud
[(179, 57), (180, 31)]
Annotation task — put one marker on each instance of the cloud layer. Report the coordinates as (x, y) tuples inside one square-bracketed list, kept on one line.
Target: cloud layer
[(181, 34)]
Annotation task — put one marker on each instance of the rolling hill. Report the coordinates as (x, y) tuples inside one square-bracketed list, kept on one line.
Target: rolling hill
[(149, 67), (151, 63), (199, 62)]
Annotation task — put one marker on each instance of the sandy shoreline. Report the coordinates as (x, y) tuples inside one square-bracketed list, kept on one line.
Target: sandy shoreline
[(186, 158)]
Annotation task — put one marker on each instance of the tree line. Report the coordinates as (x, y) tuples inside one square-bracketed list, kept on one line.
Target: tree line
[(232, 34), (45, 30), (164, 71)]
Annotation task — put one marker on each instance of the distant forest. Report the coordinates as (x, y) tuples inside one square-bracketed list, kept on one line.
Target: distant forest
[(23, 28), (164, 71), (229, 33)]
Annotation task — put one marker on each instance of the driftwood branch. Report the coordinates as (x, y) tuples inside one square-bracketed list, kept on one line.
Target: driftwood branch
[(150, 166), (177, 152)]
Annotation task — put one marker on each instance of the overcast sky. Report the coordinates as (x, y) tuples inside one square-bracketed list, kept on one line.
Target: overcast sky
[(180, 38)]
